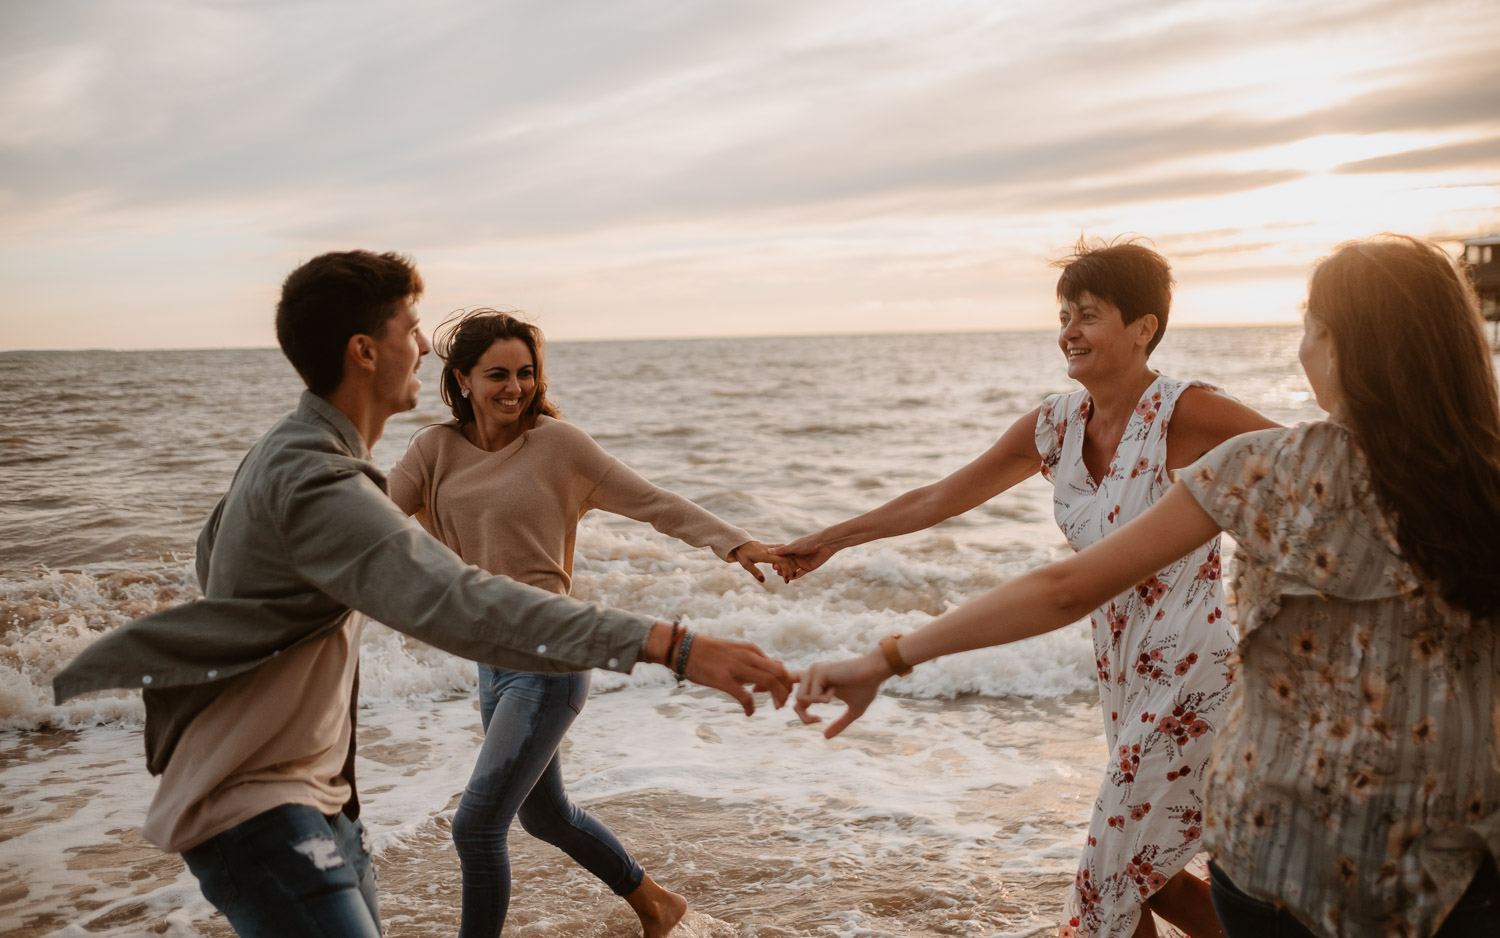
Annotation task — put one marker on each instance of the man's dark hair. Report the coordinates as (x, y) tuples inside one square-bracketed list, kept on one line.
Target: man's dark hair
[(335, 296), (1125, 273)]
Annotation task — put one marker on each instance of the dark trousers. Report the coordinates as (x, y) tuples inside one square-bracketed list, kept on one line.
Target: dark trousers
[(1477, 914)]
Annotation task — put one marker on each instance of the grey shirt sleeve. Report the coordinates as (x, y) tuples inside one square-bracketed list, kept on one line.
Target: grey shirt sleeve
[(349, 540)]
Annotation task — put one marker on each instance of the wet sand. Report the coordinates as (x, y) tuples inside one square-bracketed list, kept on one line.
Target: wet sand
[(72, 860)]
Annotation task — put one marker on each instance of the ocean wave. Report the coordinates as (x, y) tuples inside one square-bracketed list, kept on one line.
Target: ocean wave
[(844, 608)]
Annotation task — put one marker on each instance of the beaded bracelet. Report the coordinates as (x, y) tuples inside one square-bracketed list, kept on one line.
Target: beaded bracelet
[(682, 656)]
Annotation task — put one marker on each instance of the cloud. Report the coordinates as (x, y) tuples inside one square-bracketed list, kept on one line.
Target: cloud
[(1472, 153), (602, 135)]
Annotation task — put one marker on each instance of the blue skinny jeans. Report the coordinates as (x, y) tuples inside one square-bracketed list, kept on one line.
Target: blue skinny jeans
[(290, 871), (519, 772)]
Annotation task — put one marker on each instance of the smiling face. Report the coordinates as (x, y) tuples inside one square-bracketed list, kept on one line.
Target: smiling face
[(501, 386), (1096, 341), (399, 351)]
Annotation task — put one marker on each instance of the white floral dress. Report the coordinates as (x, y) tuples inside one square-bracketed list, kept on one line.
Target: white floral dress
[(1162, 654)]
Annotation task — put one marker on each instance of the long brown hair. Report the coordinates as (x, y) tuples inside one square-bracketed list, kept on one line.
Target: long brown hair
[(462, 340), (1420, 394)]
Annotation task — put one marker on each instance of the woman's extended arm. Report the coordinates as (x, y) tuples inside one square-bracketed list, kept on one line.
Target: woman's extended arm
[(1047, 598), (1011, 460), (624, 491)]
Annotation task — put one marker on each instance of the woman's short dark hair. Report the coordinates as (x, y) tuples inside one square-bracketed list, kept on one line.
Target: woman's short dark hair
[(333, 297), (1123, 272), (462, 340)]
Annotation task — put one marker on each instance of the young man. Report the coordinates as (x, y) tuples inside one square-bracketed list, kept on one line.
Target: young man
[(251, 692)]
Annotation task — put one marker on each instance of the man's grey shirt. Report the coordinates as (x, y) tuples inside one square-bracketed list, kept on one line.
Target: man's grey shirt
[(305, 534)]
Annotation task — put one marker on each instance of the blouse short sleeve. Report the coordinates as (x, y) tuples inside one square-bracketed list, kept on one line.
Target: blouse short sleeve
[(1301, 508)]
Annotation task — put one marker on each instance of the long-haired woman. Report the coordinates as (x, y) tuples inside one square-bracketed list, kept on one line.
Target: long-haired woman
[(504, 485), (1355, 788)]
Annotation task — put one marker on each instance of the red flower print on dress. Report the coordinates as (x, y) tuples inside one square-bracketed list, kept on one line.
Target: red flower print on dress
[(1210, 569), (1151, 590)]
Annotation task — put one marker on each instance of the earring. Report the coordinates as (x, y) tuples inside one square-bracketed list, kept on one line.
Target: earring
[(464, 392)]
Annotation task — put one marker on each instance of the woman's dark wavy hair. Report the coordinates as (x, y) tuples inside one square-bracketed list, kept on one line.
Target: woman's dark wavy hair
[(462, 340), (1420, 394)]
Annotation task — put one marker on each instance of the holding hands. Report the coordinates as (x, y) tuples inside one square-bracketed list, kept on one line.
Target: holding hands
[(751, 553), (730, 666), (855, 681), (722, 664), (804, 555)]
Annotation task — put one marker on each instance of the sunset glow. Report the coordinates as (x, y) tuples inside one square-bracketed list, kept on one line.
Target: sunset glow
[(642, 169)]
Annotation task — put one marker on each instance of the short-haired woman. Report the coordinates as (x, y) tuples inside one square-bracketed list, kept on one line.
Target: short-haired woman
[(1354, 789)]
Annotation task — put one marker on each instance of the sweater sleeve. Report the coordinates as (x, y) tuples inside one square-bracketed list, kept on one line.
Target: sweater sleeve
[(623, 491), (406, 480)]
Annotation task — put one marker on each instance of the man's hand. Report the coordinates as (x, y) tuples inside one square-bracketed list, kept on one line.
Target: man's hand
[(751, 553), (729, 666), (722, 664), (855, 681)]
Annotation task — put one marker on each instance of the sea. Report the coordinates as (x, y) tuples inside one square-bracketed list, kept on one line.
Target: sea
[(956, 807)]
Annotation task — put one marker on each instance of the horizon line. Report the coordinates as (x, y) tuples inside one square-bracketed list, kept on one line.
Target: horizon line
[(678, 338)]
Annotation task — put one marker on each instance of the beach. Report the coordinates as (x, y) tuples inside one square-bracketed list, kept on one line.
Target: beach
[(956, 806)]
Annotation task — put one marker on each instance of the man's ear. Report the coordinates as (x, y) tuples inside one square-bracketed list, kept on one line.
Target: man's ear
[(359, 352)]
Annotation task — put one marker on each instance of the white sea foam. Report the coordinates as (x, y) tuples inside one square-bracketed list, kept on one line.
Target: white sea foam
[(841, 609)]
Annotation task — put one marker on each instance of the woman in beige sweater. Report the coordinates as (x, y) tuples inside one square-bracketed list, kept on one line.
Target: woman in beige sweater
[(504, 485)]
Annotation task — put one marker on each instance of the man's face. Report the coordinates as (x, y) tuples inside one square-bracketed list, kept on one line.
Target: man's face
[(399, 353)]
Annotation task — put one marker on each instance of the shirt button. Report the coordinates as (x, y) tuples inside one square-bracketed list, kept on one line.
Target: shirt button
[(541, 649), (213, 674), (145, 679), (614, 662)]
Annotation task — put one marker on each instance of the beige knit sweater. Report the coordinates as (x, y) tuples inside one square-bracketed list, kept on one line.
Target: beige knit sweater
[(515, 512)]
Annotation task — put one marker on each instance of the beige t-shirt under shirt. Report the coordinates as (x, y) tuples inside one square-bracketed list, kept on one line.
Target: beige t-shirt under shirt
[(277, 735)]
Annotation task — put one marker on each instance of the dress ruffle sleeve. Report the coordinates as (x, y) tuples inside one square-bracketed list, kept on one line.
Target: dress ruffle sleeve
[(1300, 505)]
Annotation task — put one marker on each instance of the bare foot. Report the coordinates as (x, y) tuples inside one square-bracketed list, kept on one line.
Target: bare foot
[(658, 909)]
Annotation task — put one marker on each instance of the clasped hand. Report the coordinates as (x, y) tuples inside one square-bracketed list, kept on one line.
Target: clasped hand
[(730, 666)]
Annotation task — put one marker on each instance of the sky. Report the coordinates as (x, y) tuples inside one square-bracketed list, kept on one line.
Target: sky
[(650, 168)]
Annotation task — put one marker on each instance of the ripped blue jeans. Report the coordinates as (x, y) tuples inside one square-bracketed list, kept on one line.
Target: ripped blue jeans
[(519, 772), (290, 871)]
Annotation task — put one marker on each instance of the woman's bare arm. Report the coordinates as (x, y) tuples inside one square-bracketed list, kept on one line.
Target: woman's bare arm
[(1045, 599), (1010, 461), (1203, 419)]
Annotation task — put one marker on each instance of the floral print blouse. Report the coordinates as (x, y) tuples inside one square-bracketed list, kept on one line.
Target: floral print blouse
[(1356, 779)]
